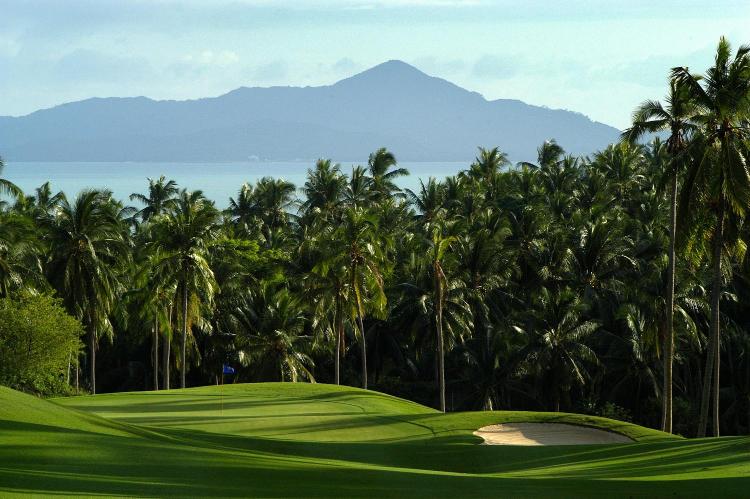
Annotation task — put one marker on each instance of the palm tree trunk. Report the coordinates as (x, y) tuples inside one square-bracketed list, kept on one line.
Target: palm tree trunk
[(156, 354), (92, 359), (339, 327), (441, 352), (165, 362), (184, 331), (711, 374), (364, 348), (669, 336), (360, 323)]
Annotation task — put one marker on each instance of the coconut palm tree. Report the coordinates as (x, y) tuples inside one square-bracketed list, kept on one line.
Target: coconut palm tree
[(182, 239), (6, 186), (20, 251), (383, 170), (429, 201), (274, 199), (323, 190), (719, 177), (242, 209), (487, 164), (87, 244), (161, 198), (356, 245), (676, 117), (329, 286), (623, 165), (558, 351), (272, 339), (151, 297), (438, 247)]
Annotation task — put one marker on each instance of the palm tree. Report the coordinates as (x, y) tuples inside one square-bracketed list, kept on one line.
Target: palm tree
[(182, 239), (323, 190), (151, 298), (358, 190), (623, 165), (272, 338), (6, 186), (557, 348), (159, 200), (383, 171), (273, 200), (429, 201), (487, 164), (439, 245), (328, 283), (676, 117), (356, 246), (86, 246), (20, 264), (719, 177)]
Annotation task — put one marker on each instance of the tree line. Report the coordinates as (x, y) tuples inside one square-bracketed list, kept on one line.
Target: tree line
[(614, 284)]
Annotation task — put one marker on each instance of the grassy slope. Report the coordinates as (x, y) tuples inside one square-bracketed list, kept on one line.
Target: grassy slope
[(314, 440)]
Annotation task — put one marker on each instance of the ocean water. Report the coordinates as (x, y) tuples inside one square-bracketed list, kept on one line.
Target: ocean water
[(218, 181)]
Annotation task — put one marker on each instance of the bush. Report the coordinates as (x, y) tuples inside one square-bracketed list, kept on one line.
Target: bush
[(38, 341)]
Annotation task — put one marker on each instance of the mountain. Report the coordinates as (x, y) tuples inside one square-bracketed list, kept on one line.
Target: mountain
[(419, 117)]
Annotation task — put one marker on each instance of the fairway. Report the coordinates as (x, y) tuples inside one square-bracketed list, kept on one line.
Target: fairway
[(280, 440)]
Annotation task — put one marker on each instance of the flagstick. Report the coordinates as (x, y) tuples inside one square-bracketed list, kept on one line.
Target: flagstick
[(221, 393)]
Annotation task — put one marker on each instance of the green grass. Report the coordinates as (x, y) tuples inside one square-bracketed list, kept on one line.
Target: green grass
[(280, 440)]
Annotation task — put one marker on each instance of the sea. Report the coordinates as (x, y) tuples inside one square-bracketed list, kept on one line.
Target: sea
[(218, 181)]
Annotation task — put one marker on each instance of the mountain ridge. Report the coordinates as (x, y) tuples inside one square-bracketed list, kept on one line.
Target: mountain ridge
[(418, 116)]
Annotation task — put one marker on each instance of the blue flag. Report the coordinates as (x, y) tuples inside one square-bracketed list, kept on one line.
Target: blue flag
[(227, 369)]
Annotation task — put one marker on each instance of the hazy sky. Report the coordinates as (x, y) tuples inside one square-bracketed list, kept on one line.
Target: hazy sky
[(597, 57)]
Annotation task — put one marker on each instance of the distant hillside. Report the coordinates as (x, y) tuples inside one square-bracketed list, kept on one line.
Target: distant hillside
[(419, 117)]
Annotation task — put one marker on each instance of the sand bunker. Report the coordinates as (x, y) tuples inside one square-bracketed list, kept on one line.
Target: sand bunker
[(547, 434)]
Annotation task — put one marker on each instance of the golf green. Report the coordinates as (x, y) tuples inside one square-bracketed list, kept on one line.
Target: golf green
[(281, 440)]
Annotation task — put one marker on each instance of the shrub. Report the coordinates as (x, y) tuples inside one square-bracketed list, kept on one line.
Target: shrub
[(38, 342)]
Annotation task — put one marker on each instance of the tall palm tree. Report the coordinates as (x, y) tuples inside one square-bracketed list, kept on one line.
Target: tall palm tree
[(161, 198), (676, 117), (358, 190), (323, 190), (623, 165), (182, 240), (429, 201), (242, 209), (384, 170), (329, 285), (439, 245), (719, 176), (274, 199), (87, 244), (356, 245), (151, 297), (487, 164)]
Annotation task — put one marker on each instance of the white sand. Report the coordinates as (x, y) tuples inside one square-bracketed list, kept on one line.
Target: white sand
[(547, 434)]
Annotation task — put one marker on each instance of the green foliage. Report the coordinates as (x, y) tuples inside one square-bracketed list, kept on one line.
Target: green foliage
[(38, 343)]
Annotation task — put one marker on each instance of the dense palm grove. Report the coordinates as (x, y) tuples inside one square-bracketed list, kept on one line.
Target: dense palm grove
[(545, 286)]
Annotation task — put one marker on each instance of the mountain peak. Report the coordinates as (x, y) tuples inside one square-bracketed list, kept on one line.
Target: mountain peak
[(395, 66), (389, 71)]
